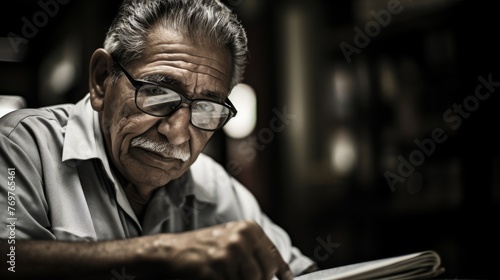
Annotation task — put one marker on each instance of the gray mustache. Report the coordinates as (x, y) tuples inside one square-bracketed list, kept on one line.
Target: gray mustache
[(165, 149)]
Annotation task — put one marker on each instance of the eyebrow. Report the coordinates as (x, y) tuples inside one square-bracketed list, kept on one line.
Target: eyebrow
[(162, 79), (171, 81)]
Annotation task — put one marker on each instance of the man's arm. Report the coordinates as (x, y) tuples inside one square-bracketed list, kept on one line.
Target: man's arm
[(48, 259), (235, 250)]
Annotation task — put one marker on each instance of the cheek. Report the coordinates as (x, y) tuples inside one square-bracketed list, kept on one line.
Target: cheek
[(113, 117), (121, 119), (200, 139), (122, 108)]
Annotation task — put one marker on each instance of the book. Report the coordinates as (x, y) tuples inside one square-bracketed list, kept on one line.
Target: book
[(420, 265)]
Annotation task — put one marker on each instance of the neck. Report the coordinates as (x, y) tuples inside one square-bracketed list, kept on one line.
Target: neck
[(137, 201)]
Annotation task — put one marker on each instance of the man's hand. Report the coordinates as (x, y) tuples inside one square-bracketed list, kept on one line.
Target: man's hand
[(235, 250)]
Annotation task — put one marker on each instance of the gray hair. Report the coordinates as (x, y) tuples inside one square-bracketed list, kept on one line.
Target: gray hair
[(125, 39)]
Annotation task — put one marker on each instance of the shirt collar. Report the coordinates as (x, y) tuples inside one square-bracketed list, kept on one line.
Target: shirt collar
[(83, 139)]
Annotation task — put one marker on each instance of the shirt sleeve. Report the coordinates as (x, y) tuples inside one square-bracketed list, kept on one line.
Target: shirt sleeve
[(22, 198)]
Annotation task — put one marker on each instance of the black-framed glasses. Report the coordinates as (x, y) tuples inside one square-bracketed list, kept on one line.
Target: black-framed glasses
[(161, 101)]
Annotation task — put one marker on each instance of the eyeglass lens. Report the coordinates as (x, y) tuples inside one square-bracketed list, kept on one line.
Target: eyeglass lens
[(161, 102)]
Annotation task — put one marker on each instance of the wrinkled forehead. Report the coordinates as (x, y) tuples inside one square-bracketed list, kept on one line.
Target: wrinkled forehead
[(166, 47)]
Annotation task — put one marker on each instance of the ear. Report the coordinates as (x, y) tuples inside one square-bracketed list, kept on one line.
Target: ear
[(101, 64)]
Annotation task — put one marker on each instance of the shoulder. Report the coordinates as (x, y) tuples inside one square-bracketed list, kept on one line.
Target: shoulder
[(35, 119)]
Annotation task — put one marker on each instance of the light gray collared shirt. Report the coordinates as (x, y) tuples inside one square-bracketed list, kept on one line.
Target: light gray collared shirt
[(65, 188)]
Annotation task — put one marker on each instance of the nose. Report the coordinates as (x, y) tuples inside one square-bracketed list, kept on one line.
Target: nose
[(176, 126)]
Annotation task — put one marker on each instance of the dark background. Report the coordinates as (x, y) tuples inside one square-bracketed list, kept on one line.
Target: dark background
[(366, 113)]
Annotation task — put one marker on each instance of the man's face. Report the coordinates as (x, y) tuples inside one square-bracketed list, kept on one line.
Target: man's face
[(196, 71)]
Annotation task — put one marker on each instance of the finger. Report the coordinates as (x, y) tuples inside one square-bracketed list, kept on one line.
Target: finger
[(263, 258), (284, 272), (250, 270), (272, 263), (241, 249), (267, 262), (223, 262), (269, 258)]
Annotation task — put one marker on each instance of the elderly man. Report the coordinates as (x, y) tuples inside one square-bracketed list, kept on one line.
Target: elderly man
[(117, 185)]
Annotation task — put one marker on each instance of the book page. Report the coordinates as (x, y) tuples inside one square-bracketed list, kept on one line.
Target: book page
[(421, 263)]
